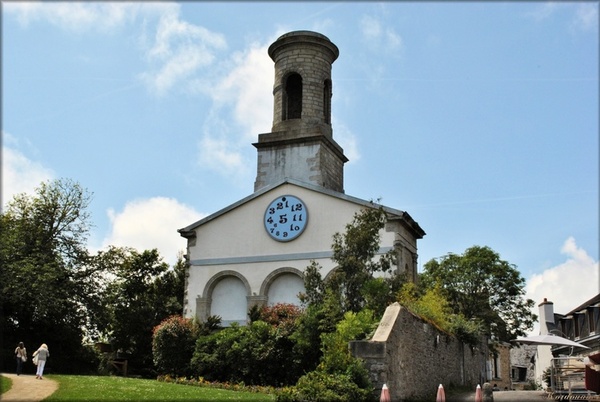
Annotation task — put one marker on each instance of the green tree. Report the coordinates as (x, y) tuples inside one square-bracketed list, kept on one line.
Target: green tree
[(481, 286), (142, 292), (362, 280), (47, 287), (354, 252)]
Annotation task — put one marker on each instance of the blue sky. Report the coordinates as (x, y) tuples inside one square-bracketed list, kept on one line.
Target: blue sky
[(478, 119)]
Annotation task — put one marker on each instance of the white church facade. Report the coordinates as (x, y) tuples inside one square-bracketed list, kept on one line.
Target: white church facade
[(254, 252)]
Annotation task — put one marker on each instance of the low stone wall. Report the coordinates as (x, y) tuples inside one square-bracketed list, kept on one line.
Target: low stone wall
[(413, 357)]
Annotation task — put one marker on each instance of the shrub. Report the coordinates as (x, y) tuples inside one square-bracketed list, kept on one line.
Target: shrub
[(318, 386), (257, 354), (173, 343), (281, 315)]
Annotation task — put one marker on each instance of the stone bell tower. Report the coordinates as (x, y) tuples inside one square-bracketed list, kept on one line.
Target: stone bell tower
[(301, 145)]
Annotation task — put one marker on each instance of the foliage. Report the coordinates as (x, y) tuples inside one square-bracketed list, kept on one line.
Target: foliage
[(91, 388), (434, 308), (257, 354), (142, 293), (320, 386), (173, 343), (345, 305), (281, 315), (211, 325), (202, 382), (354, 252), (354, 326), (339, 376), (48, 288), (481, 286)]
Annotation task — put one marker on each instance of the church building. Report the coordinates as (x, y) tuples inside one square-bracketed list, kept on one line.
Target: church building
[(254, 252)]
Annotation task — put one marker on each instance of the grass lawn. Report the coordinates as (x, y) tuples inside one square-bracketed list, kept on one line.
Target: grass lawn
[(5, 384), (103, 388)]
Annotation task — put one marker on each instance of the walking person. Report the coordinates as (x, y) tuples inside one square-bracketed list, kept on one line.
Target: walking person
[(42, 355), (21, 356)]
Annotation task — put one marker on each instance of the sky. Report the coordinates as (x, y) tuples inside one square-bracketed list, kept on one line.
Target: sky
[(479, 119)]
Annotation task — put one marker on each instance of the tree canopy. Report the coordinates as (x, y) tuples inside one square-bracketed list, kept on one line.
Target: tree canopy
[(53, 291), (362, 278), (481, 286), (45, 280)]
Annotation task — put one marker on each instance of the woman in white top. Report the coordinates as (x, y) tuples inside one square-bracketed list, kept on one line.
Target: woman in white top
[(42, 355)]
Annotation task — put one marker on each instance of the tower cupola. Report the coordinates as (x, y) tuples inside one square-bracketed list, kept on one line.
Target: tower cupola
[(301, 144)]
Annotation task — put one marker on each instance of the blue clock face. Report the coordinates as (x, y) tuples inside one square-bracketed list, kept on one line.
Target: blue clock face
[(285, 218)]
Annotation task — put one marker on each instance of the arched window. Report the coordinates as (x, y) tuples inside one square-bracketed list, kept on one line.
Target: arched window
[(292, 97), (327, 101)]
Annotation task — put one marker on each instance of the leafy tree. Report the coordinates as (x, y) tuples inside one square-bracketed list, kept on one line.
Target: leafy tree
[(143, 292), (480, 285), (354, 252), (47, 286), (361, 280)]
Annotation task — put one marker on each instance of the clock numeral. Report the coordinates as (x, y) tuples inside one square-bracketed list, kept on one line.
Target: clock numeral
[(296, 207), (282, 205), (294, 228), (297, 217), (271, 211), (283, 218)]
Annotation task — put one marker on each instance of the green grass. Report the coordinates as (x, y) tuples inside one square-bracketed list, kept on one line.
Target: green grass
[(103, 388), (5, 384)]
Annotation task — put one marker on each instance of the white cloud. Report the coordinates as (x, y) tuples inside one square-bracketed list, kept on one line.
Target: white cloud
[(179, 50), (175, 51), (74, 16), (151, 223), (19, 173), (379, 36), (586, 17), (250, 85), (568, 284), (347, 140), (242, 109), (219, 155)]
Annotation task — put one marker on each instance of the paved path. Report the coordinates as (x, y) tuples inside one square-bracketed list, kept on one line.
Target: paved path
[(26, 387), (506, 396)]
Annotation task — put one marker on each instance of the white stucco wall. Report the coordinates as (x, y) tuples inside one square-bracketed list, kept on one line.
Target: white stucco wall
[(235, 244)]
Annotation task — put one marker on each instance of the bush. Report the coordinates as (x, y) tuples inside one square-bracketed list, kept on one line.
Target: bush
[(173, 343), (257, 354), (318, 386)]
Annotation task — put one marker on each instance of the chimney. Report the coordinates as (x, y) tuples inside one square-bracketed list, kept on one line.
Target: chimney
[(546, 316)]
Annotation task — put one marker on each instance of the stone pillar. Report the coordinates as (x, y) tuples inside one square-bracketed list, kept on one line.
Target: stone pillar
[(202, 308), (256, 301)]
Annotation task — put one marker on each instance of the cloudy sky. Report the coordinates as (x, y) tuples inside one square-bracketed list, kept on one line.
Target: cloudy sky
[(478, 119)]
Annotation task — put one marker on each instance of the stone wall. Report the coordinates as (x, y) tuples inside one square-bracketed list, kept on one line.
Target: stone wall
[(413, 357)]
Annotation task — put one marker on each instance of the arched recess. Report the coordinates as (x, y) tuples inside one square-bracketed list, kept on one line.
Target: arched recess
[(283, 286), (227, 293), (292, 97)]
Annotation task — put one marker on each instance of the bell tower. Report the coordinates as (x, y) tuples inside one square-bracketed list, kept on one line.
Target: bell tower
[(301, 145)]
